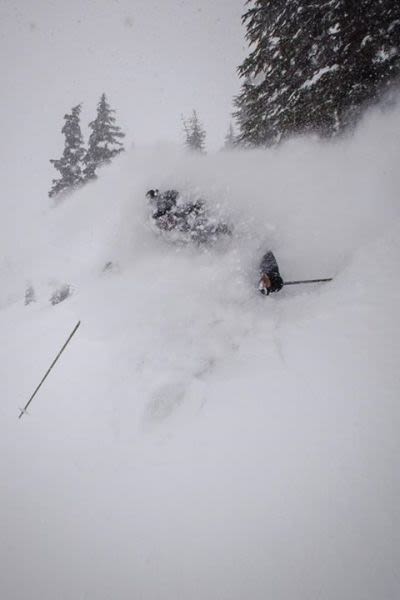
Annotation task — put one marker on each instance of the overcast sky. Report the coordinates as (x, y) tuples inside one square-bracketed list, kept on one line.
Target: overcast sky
[(155, 59)]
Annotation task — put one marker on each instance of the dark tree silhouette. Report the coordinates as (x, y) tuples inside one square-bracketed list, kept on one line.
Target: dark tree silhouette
[(314, 66), (69, 165), (104, 141)]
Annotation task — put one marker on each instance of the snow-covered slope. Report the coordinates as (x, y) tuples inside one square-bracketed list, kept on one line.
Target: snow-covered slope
[(197, 440)]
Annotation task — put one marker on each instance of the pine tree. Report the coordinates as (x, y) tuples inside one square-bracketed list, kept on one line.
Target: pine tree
[(69, 165), (230, 139), (30, 295), (371, 54), (195, 135), (104, 141), (313, 66)]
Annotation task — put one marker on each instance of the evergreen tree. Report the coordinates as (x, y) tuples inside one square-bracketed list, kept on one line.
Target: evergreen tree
[(314, 65), (370, 54), (104, 141), (30, 295), (230, 139), (69, 165), (195, 135)]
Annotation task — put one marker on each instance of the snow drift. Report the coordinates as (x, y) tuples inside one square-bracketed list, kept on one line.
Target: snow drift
[(197, 440)]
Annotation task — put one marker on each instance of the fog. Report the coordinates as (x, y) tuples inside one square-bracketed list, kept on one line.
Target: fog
[(196, 440), (155, 60)]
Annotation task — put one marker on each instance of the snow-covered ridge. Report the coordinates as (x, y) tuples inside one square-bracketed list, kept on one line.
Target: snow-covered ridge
[(197, 440)]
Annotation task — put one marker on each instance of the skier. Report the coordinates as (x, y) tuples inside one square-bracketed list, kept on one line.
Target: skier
[(270, 278), (185, 217), (164, 206)]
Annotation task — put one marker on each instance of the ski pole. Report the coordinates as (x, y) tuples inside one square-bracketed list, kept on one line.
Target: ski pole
[(23, 410), (307, 281)]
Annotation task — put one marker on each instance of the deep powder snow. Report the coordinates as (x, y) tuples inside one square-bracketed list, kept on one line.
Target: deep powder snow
[(197, 440)]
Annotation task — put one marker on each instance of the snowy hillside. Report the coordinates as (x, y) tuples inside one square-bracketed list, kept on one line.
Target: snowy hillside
[(197, 440)]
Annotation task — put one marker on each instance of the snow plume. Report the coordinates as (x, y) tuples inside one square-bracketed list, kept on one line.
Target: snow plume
[(197, 440)]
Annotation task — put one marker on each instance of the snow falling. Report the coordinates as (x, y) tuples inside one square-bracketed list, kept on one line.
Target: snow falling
[(196, 439)]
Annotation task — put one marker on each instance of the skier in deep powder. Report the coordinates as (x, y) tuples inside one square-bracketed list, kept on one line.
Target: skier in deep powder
[(191, 218), (270, 278), (172, 213)]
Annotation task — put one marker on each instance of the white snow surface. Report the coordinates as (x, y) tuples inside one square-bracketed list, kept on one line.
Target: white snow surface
[(197, 440)]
